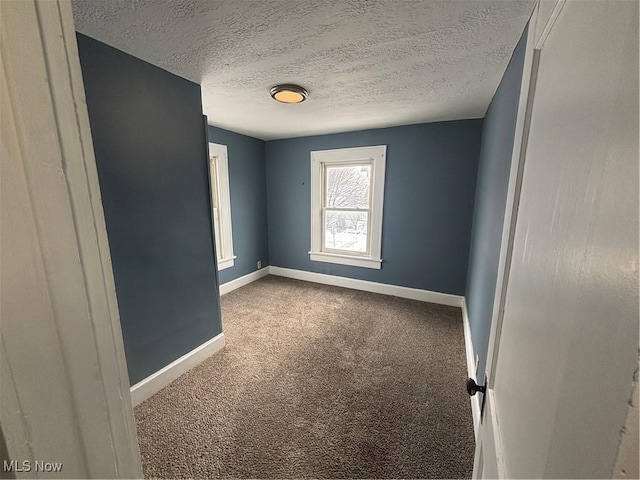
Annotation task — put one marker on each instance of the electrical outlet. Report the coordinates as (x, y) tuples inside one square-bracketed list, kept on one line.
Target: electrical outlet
[(259, 264)]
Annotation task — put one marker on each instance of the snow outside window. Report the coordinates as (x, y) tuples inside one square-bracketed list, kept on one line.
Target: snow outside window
[(347, 192)]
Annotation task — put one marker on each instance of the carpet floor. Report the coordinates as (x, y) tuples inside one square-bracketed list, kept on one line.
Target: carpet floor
[(317, 382)]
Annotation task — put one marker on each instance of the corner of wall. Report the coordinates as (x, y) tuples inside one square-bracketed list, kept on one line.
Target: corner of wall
[(266, 200)]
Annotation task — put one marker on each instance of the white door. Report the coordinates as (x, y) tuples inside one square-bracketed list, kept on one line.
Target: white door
[(562, 372)]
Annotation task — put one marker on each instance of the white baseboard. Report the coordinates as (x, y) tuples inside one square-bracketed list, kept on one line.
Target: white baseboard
[(471, 366), (383, 288), (163, 377), (244, 280)]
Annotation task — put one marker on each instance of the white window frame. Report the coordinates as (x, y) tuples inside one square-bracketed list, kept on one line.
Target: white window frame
[(224, 238), (376, 157)]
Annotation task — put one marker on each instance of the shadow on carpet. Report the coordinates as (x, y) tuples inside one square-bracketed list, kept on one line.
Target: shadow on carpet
[(318, 382)]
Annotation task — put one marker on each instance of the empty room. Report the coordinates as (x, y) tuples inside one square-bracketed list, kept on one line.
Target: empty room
[(319, 239)]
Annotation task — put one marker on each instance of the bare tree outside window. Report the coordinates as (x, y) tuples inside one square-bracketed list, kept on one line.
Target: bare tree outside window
[(347, 207), (347, 196)]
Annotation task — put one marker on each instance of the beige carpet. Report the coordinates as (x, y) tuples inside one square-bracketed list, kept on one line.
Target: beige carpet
[(322, 382)]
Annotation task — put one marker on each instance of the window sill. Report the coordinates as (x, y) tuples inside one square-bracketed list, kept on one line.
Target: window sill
[(351, 260), (226, 263)]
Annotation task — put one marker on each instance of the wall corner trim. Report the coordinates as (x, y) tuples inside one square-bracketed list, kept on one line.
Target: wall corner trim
[(163, 377), (244, 280), (367, 286), (468, 343)]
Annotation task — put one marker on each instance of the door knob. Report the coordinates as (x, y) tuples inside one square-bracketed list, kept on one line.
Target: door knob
[(473, 387)]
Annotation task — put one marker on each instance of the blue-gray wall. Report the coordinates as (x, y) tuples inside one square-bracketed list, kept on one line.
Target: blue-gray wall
[(428, 204), (491, 197), (248, 190), (150, 145)]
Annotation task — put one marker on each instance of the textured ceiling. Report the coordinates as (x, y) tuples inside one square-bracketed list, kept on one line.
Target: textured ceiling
[(366, 64)]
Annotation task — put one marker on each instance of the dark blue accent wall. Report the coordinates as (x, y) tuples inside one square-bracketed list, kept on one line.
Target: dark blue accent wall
[(430, 184), (248, 190), (491, 196), (150, 145)]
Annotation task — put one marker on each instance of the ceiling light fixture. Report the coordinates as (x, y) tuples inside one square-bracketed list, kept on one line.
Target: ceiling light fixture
[(288, 93)]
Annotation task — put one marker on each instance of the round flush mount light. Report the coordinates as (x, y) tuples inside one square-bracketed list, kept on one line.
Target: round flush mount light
[(289, 93)]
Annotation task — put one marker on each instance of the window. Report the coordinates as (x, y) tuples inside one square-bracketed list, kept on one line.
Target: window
[(221, 204), (347, 193)]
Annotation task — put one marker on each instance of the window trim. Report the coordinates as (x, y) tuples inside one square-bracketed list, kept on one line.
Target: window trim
[(376, 155), (224, 203)]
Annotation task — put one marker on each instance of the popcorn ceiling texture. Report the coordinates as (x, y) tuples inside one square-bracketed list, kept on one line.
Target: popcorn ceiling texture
[(366, 64)]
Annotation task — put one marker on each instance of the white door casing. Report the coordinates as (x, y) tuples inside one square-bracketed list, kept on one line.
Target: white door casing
[(560, 383), (488, 461), (64, 384)]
